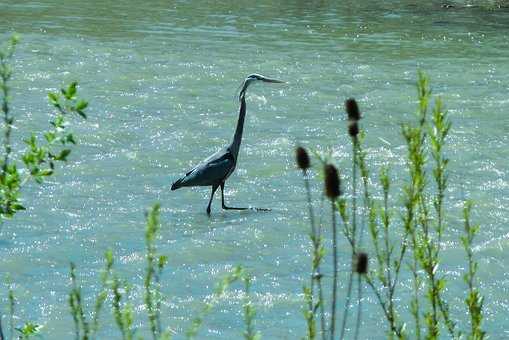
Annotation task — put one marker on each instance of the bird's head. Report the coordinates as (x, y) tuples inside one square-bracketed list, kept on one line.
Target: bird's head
[(253, 78)]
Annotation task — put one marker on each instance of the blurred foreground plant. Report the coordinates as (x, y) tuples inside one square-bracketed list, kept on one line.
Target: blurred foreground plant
[(36, 161), (116, 290)]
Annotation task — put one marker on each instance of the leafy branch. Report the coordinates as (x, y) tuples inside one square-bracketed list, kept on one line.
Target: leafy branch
[(38, 159)]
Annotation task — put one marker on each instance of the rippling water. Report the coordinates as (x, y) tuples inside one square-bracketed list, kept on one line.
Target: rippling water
[(161, 77)]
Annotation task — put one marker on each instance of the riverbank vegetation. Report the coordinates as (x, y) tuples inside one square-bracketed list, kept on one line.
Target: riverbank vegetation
[(390, 236), (412, 241)]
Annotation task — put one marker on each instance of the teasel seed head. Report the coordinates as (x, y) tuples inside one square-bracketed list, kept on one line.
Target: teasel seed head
[(332, 182), (302, 158), (361, 263), (353, 128), (352, 110)]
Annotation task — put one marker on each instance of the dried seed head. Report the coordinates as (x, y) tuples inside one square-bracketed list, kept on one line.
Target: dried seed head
[(361, 263), (332, 182), (352, 109), (353, 128), (302, 158)]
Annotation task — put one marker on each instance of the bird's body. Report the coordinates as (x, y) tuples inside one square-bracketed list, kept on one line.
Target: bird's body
[(215, 170)]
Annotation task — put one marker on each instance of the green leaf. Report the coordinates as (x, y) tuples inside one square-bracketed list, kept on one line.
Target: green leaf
[(53, 98), (82, 114), (46, 172), (50, 136), (81, 105), (59, 122), (70, 93), (63, 155), (17, 206), (29, 328), (31, 141), (109, 257), (162, 261), (70, 138)]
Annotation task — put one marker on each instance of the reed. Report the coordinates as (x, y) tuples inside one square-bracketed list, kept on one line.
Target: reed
[(333, 191), (353, 115), (303, 162)]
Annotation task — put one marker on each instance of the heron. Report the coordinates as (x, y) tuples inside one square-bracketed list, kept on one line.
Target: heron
[(216, 169)]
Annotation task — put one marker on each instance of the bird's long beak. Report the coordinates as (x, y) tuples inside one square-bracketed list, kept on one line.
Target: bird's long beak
[(250, 80), (272, 80)]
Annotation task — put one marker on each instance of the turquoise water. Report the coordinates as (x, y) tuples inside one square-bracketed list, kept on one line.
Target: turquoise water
[(161, 78)]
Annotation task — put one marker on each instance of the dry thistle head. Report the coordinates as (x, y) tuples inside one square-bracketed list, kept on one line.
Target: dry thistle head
[(302, 158), (332, 182), (361, 263), (353, 128), (352, 110)]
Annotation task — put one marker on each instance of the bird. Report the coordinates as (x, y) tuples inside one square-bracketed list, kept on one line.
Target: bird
[(216, 169)]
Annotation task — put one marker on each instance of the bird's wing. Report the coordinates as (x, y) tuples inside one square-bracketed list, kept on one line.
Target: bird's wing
[(211, 171)]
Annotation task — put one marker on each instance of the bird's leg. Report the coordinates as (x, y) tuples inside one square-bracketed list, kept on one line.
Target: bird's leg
[(214, 188), (222, 201), (232, 208)]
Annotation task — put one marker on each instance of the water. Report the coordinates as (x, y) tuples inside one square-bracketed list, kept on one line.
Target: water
[(161, 79)]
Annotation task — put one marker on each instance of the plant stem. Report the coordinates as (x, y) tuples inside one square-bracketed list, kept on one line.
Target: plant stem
[(353, 235), (313, 240), (383, 305), (315, 271), (5, 75), (222, 287), (151, 281), (474, 299), (335, 271), (12, 306), (359, 307), (354, 193), (347, 303)]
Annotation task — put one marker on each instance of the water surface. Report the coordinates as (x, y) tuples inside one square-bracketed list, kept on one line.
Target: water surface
[(161, 77)]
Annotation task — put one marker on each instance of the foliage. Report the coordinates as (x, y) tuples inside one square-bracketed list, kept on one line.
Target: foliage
[(40, 156), (418, 244), (474, 299), (37, 161), (28, 330), (249, 312), (116, 290)]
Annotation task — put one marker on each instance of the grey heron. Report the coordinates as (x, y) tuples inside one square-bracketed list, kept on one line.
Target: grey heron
[(215, 170)]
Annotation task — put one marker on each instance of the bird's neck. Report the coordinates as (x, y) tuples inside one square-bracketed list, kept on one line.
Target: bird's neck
[(237, 138)]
